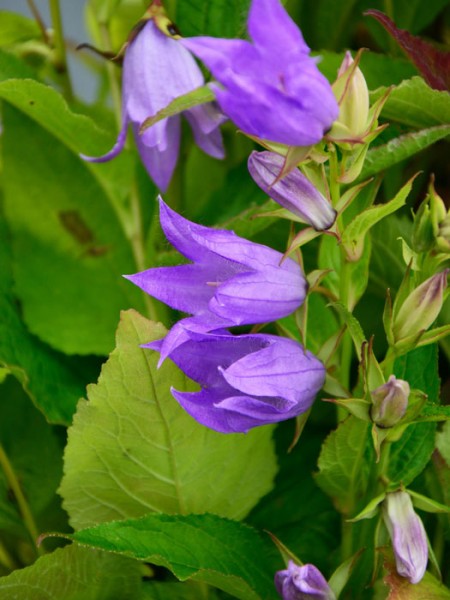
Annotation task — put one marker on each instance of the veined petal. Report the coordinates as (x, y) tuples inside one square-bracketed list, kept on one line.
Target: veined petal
[(260, 296), (282, 369), (218, 54), (269, 25)]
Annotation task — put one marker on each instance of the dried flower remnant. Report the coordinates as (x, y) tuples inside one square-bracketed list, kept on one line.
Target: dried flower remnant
[(156, 70), (270, 87), (231, 281), (247, 380)]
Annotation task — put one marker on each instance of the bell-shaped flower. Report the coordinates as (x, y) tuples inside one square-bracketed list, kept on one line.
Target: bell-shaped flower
[(247, 380), (303, 583), (408, 536), (294, 191), (231, 281), (156, 70), (270, 87), (390, 402)]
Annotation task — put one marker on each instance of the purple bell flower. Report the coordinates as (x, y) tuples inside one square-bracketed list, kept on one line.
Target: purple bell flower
[(247, 380), (303, 583), (156, 70), (271, 88), (294, 191), (231, 281), (409, 539)]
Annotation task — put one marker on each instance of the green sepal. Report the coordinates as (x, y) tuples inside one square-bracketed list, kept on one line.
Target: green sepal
[(358, 407), (341, 575), (427, 504), (371, 510)]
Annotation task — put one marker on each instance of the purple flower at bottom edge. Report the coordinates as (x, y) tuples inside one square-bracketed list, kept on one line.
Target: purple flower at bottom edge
[(156, 70), (231, 281), (272, 88), (247, 380), (303, 583), (408, 536)]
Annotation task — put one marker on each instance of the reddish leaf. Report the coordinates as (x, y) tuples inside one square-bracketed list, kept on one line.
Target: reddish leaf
[(433, 64)]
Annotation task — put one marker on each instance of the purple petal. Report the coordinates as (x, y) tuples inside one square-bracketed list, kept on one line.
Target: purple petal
[(293, 192), (115, 150), (205, 121), (270, 25)]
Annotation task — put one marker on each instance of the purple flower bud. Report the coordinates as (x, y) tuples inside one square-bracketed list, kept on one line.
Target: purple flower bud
[(272, 88), (421, 307), (156, 70), (302, 583), (231, 281), (247, 380), (293, 192), (408, 536), (390, 402)]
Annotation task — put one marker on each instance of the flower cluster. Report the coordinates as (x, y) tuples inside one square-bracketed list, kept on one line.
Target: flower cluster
[(246, 380)]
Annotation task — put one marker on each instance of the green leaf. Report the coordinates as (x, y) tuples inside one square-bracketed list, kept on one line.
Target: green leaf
[(54, 382), (400, 148), (415, 104), (443, 442), (33, 451), (133, 450), (220, 552), (354, 233), (16, 28), (217, 18), (345, 462), (167, 590), (429, 588), (69, 247), (74, 573)]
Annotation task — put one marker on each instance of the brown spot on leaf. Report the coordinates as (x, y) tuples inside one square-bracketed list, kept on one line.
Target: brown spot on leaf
[(74, 224)]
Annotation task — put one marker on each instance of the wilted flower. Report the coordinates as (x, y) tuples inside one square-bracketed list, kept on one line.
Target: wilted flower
[(301, 583), (409, 539), (247, 380), (421, 307), (390, 402), (231, 281), (293, 192), (272, 88), (156, 70)]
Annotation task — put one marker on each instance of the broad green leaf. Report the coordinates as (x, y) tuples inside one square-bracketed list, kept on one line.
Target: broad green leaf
[(344, 464), (328, 23), (217, 18), (53, 381), (168, 590), (354, 234), (410, 455), (220, 552), (32, 449), (16, 28), (386, 155), (415, 104), (69, 247), (415, 15), (133, 450), (75, 573), (429, 588), (443, 442)]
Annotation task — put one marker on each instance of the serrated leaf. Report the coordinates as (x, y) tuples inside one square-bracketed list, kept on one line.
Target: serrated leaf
[(433, 64), (345, 462), (220, 552), (73, 573), (386, 155), (415, 104), (133, 450), (69, 246)]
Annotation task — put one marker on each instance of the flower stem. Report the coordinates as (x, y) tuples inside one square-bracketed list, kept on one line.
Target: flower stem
[(60, 48), (19, 496), (111, 72)]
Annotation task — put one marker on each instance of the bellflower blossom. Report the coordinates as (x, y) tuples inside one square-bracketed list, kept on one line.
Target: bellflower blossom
[(247, 380), (294, 191), (231, 281), (156, 70), (301, 583), (409, 539), (271, 88)]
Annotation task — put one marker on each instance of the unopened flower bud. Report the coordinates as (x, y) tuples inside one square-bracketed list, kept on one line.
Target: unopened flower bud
[(421, 307), (351, 92), (301, 583), (294, 191), (390, 402), (408, 536), (443, 237)]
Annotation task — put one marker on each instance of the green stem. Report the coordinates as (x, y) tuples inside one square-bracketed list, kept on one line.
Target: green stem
[(111, 72), (6, 559), (60, 48), (19, 496)]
